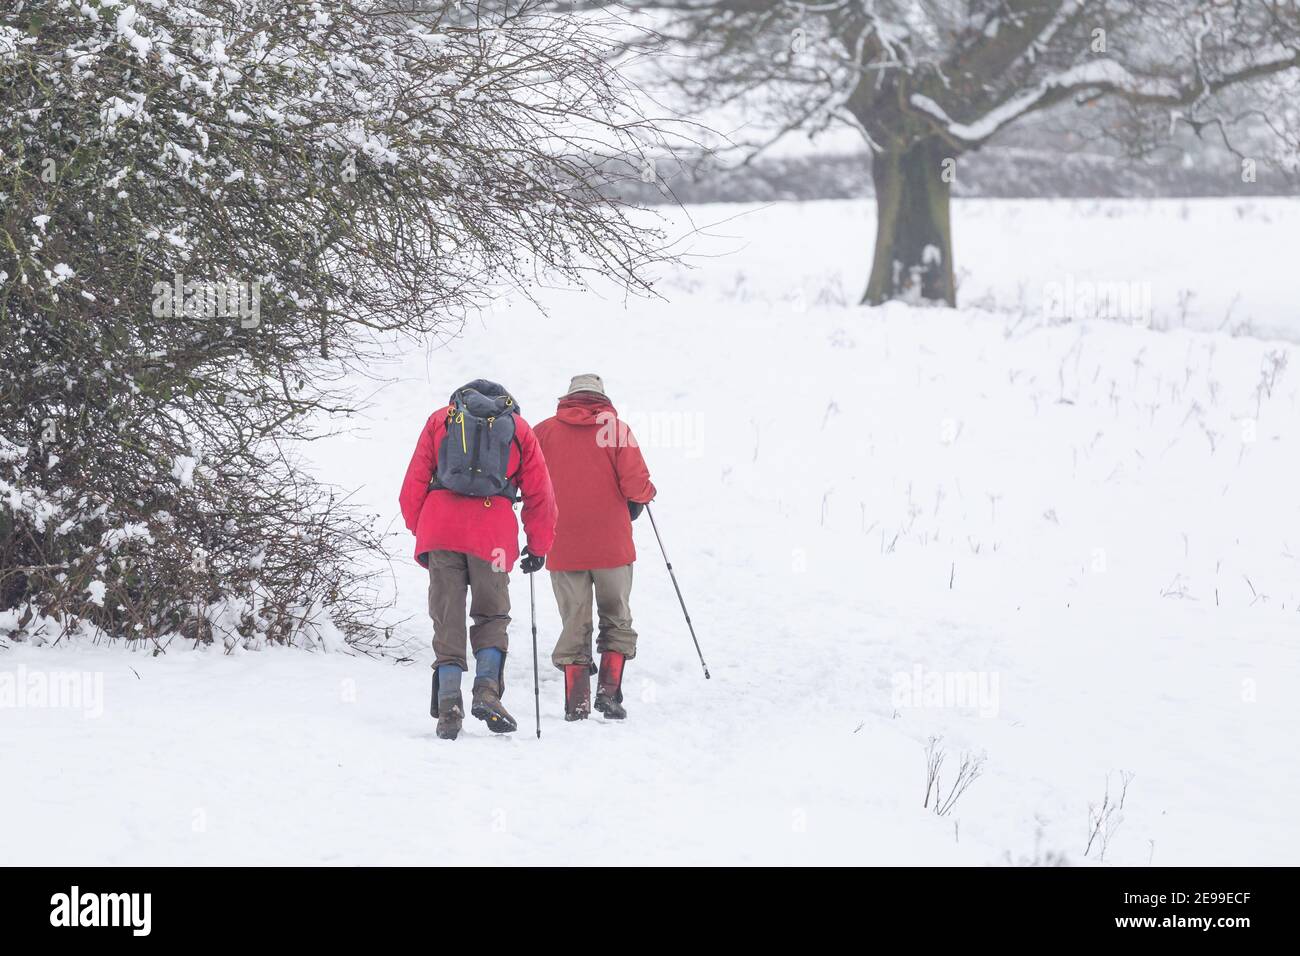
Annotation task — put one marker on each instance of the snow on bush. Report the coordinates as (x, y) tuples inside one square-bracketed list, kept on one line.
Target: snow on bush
[(211, 217)]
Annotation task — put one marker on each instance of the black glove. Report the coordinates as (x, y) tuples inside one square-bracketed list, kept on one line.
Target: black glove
[(634, 508), (531, 562)]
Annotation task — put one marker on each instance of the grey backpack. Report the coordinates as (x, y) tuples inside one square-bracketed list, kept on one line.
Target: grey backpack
[(475, 452)]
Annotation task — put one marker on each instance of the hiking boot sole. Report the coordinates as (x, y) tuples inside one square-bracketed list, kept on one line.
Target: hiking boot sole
[(497, 722)]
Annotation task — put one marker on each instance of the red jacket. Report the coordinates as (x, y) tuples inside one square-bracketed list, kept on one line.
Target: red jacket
[(597, 469), (484, 527)]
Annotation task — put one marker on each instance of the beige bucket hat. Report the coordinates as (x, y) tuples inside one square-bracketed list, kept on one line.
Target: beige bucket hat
[(586, 383)]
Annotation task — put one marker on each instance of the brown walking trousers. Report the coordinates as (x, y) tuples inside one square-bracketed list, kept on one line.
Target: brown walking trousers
[(450, 574), (573, 592)]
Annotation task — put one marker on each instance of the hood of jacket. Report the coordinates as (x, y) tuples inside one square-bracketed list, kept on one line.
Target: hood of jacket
[(585, 409)]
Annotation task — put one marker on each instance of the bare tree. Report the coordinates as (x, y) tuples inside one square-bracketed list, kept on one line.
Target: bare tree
[(928, 81)]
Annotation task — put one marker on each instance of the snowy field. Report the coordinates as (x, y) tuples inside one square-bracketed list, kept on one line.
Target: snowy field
[(1066, 547)]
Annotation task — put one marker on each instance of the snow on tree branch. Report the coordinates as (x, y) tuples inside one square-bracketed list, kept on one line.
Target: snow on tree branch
[(1103, 77)]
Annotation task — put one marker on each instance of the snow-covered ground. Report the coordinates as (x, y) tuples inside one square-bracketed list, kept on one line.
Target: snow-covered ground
[(1068, 548)]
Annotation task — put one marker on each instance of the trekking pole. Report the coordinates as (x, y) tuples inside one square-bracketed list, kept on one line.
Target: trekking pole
[(676, 588), (537, 693)]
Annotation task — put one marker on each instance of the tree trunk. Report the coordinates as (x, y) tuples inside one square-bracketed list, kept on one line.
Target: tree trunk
[(913, 258)]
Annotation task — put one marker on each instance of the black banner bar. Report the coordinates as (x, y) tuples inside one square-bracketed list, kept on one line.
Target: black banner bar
[(333, 906)]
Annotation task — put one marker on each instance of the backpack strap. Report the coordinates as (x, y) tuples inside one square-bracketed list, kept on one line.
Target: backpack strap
[(446, 435), (511, 490)]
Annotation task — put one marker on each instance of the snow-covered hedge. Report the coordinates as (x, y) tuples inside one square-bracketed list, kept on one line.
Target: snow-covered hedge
[(211, 211)]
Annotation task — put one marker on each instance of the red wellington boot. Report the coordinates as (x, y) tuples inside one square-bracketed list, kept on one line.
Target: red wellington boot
[(577, 691), (609, 686)]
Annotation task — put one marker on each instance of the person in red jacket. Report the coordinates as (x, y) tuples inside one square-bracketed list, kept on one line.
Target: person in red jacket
[(471, 543), (601, 486)]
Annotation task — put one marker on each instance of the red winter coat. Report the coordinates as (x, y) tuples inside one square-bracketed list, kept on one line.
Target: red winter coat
[(484, 527), (596, 468)]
